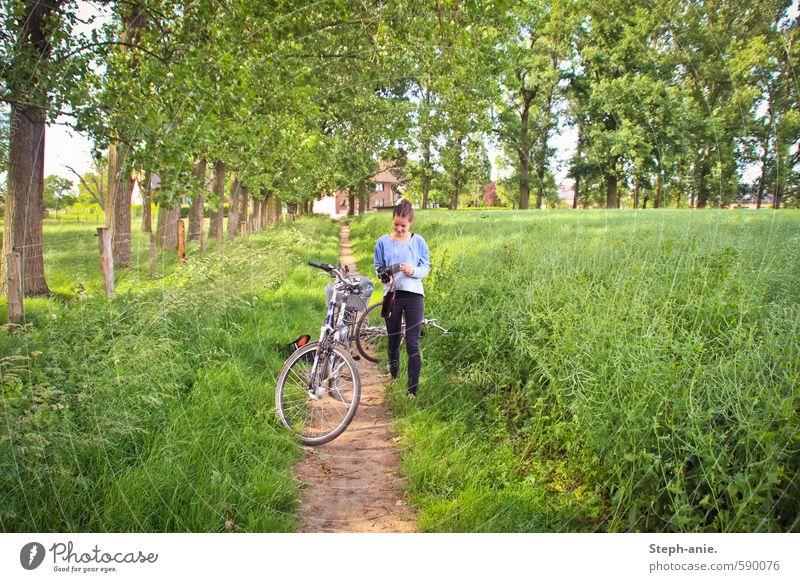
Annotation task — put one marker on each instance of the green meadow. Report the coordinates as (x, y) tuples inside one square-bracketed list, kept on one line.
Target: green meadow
[(154, 410), (610, 371)]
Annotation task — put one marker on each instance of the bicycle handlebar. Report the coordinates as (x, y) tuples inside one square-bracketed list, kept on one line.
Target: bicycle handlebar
[(337, 274), (323, 266)]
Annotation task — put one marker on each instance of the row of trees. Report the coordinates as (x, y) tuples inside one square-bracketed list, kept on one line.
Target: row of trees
[(286, 101)]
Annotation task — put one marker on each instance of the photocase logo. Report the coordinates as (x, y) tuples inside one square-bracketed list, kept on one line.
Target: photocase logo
[(31, 556)]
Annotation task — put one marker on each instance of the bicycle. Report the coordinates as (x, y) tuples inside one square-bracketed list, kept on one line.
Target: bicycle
[(319, 385), (371, 336)]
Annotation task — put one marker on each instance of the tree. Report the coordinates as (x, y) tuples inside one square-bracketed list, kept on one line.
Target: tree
[(57, 193), (536, 43), (29, 79), (92, 185)]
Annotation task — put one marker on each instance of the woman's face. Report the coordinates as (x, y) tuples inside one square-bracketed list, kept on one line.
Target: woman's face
[(401, 226)]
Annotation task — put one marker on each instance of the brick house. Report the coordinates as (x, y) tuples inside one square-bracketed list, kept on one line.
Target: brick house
[(383, 194)]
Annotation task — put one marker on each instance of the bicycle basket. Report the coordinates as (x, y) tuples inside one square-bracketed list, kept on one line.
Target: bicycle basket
[(356, 301)]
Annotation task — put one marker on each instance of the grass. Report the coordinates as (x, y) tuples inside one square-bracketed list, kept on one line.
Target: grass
[(611, 371), (154, 410)]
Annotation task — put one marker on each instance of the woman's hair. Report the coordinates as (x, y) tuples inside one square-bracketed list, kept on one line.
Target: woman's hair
[(404, 210)]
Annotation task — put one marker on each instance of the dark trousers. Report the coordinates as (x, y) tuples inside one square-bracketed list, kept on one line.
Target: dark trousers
[(411, 307)]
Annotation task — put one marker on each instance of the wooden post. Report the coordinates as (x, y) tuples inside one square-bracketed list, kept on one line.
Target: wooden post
[(16, 310), (106, 259), (181, 242), (202, 241), (153, 255)]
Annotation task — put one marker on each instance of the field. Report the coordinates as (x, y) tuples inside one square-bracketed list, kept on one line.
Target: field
[(610, 371), (154, 411)]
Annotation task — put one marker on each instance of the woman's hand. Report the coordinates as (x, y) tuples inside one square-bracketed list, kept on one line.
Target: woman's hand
[(407, 270)]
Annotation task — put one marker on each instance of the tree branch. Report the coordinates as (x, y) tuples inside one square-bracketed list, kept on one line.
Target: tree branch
[(115, 43), (98, 197)]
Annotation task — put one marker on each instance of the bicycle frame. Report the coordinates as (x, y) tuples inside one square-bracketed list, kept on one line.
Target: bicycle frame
[(331, 332)]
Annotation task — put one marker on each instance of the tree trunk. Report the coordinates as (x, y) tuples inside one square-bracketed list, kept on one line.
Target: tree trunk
[(539, 187), (233, 212), (24, 208), (576, 166), (244, 206), (426, 169), (119, 173), (278, 212), (636, 194), (362, 196), (197, 217), (121, 217), (167, 227), (702, 191), (760, 194), (351, 202), (218, 217), (256, 216), (523, 151), (541, 167), (266, 208), (454, 198), (147, 204), (108, 207), (611, 191), (524, 185), (657, 192), (577, 192)]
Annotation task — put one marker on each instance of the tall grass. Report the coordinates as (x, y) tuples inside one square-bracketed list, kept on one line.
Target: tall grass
[(611, 371), (154, 410)]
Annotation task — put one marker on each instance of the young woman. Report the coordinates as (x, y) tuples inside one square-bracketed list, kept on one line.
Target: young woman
[(406, 255)]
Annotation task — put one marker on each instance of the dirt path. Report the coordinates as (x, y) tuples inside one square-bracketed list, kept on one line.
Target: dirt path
[(353, 483)]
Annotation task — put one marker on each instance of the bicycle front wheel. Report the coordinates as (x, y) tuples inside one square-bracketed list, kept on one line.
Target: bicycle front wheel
[(318, 409), (372, 339)]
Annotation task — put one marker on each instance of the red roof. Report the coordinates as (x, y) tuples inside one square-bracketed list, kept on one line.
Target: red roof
[(384, 176)]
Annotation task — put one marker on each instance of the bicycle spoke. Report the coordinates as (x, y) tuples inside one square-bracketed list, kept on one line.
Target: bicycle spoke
[(321, 418)]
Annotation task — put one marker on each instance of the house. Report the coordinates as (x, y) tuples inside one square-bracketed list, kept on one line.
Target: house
[(566, 191), (383, 194)]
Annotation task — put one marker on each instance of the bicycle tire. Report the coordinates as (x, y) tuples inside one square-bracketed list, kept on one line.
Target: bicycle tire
[(316, 421), (371, 335)]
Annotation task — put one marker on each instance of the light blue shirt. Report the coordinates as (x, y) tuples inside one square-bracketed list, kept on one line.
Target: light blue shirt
[(413, 252)]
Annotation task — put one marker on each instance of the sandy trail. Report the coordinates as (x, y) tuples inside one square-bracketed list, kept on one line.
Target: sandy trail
[(353, 484)]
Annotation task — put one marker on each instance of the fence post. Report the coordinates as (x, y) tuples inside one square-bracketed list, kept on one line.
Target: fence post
[(106, 259), (153, 255), (181, 242), (16, 310)]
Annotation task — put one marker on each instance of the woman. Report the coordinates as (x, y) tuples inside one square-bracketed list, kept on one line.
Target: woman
[(406, 255)]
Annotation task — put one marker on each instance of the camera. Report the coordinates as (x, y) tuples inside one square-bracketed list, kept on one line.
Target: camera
[(385, 273)]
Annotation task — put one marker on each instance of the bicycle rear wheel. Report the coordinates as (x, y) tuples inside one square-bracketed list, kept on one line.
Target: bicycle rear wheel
[(318, 409), (372, 339)]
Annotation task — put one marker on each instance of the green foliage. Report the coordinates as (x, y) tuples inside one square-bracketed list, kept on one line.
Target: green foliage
[(153, 410), (57, 192), (609, 372)]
